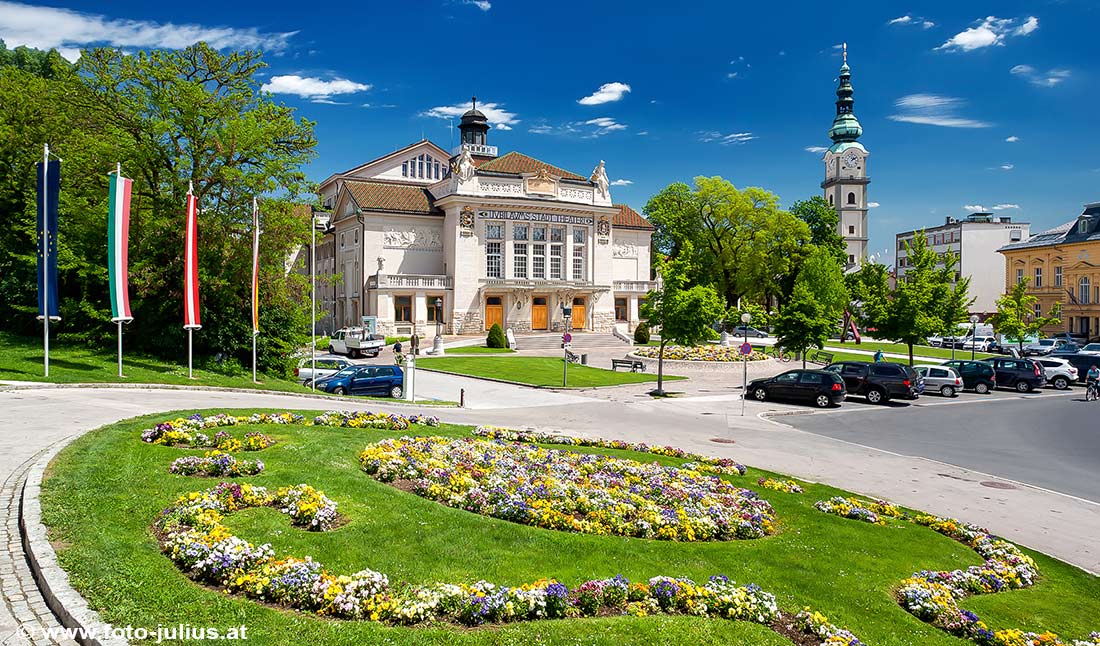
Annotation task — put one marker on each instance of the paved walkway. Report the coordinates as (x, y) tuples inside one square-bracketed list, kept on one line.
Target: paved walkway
[(1059, 525)]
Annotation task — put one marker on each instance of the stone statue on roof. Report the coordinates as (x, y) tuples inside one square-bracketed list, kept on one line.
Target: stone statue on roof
[(463, 167), (599, 178)]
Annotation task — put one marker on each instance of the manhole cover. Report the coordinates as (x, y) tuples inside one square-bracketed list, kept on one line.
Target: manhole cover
[(722, 440), (992, 484)]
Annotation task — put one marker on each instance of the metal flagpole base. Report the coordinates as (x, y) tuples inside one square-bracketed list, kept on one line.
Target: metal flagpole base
[(120, 349), (190, 335), (254, 359)]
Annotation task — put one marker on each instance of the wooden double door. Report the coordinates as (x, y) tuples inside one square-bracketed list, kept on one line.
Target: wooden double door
[(494, 311), (580, 313), (540, 315)]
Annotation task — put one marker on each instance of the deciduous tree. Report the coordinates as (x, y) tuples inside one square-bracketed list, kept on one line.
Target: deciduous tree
[(1016, 318)]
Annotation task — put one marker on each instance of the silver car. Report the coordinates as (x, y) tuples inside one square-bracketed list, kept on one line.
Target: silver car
[(940, 379)]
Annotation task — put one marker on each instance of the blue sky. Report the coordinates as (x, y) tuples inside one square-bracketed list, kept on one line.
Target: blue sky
[(990, 104)]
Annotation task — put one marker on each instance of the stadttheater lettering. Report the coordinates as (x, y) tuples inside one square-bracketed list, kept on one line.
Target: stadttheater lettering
[(552, 218)]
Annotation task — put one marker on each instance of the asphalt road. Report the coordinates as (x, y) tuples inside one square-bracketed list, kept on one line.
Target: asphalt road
[(1047, 439)]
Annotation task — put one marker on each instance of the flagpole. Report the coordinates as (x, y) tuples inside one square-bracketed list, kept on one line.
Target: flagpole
[(189, 338), (45, 261), (313, 299), (120, 349), (255, 283)]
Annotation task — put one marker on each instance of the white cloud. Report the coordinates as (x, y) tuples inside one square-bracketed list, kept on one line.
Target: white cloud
[(731, 75), (988, 32), (604, 125), (815, 149), (974, 207), (1008, 166), (901, 20), (68, 31), (1002, 207), (622, 182), (782, 52), (1050, 78), (933, 110), (873, 205), (608, 93), (907, 19), (643, 133), (484, 5), (312, 88), (735, 138), (500, 118), (589, 129), (1013, 139), (927, 24)]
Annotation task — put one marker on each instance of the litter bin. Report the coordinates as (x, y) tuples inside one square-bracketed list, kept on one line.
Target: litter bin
[(584, 359)]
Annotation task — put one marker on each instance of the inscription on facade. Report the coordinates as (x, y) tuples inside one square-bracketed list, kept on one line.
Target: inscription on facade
[(526, 216)]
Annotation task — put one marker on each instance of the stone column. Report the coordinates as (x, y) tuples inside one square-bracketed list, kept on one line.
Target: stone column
[(420, 312)]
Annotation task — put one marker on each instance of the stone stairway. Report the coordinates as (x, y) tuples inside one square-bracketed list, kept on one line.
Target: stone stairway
[(581, 341)]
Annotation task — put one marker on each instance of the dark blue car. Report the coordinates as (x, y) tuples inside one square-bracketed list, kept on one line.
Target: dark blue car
[(365, 380)]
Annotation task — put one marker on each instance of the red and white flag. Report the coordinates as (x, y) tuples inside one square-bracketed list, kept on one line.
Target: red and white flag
[(191, 266), (255, 268)]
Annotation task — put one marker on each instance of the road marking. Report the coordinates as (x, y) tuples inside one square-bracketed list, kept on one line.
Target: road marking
[(983, 400)]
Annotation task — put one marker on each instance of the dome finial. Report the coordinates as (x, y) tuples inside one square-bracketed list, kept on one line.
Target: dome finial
[(473, 100), (845, 52)]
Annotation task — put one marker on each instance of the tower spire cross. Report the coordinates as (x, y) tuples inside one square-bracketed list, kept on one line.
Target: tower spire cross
[(845, 52), (474, 101)]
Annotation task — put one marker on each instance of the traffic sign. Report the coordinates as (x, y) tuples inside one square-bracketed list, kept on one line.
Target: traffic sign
[(567, 338), (746, 348)]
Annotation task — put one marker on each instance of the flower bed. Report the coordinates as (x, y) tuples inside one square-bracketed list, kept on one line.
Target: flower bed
[(215, 464), (570, 491), (709, 464), (867, 511), (818, 624), (188, 431), (786, 486), (698, 353), (193, 536)]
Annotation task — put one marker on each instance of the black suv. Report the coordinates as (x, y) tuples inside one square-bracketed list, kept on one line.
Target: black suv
[(822, 388), (1024, 375), (978, 376), (879, 381)]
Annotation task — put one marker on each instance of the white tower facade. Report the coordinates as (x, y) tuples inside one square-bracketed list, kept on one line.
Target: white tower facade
[(846, 176)]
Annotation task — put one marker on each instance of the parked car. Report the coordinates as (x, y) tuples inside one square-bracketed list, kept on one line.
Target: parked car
[(326, 367), (1024, 375), (1068, 348), (981, 344), (879, 381), (741, 331), (1065, 336), (935, 340), (1082, 362), (355, 342), (1091, 348), (941, 379), (1059, 372), (1043, 347), (821, 387), (365, 380), (978, 376)]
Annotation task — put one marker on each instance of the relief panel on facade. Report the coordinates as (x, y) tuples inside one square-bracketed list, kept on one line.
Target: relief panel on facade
[(625, 250), (424, 238)]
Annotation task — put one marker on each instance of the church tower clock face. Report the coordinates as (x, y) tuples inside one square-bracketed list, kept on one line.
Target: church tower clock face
[(851, 160)]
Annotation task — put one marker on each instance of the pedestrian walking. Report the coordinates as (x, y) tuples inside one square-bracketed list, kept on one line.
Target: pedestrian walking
[(879, 356), (398, 358)]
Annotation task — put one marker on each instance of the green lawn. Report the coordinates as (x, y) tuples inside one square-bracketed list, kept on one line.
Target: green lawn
[(478, 349), (918, 350), (21, 360), (104, 491), (534, 371)]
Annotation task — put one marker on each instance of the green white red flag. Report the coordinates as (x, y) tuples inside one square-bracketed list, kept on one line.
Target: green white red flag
[(255, 268), (118, 242), (191, 266)]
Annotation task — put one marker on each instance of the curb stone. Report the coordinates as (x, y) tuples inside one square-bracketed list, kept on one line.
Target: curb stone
[(53, 582)]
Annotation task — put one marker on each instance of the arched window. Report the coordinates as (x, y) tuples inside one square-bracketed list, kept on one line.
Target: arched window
[(851, 198), (1083, 290), (830, 199)]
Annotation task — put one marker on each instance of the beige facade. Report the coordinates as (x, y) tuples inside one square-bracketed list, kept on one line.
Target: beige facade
[(1063, 266), (506, 239)]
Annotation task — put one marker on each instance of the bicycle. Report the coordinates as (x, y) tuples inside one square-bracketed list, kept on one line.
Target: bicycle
[(778, 353), (571, 357)]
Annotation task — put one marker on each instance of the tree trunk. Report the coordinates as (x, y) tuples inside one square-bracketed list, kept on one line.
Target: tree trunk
[(661, 368), (910, 344)]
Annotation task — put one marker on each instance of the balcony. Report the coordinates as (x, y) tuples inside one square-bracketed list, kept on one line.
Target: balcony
[(636, 286), (480, 150), (409, 281)]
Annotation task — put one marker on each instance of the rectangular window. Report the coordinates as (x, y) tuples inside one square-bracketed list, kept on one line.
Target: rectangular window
[(1038, 310), (402, 309), (420, 166), (1057, 276), (555, 262), (538, 234), (437, 170), (556, 234), (620, 309), (435, 312), (494, 231), (851, 259), (1038, 277), (579, 256), (520, 259), (519, 231), (851, 229), (1019, 275), (404, 169), (494, 267), (538, 259)]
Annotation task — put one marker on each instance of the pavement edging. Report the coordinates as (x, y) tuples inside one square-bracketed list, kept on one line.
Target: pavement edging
[(53, 582)]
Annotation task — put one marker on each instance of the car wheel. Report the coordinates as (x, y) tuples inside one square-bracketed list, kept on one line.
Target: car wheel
[(1023, 386), (875, 396), (759, 394), (822, 401), (981, 388), (331, 350), (396, 392), (354, 354), (340, 390), (947, 391), (1060, 383)]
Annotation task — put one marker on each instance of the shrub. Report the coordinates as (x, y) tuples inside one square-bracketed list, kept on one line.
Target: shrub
[(496, 337), (641, 334)]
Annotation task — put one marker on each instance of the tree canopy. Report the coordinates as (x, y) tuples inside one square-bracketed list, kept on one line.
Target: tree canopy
[(1016, 317), (824, 222)]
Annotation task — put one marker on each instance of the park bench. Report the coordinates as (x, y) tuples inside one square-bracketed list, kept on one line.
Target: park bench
[(634, 364)]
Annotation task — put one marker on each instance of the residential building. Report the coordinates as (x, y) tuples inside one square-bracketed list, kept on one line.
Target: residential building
[(1063, 265), (846, 177), (471, 238), (975, 241)]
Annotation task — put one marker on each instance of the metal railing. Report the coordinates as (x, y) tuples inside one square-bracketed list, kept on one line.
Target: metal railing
[(635, 285)]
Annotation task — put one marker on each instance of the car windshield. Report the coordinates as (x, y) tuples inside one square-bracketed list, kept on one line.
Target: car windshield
[(1046, 342), (1092, 347), (346, 372)]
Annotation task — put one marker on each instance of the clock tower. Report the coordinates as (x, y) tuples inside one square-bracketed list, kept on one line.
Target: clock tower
[(846, 171)]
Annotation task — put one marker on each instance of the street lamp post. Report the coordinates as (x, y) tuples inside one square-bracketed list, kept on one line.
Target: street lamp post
[(745, 318), (313, 301), (567, 316), (973, 334), (437, 343)]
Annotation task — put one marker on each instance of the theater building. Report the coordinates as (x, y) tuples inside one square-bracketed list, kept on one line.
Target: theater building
[(471, 238)]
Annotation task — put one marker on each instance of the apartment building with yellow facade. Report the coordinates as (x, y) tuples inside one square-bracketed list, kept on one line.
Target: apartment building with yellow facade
[(1063, 265)]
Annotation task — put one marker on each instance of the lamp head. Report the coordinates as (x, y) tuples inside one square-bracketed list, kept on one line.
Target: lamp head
[(746, 317)]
